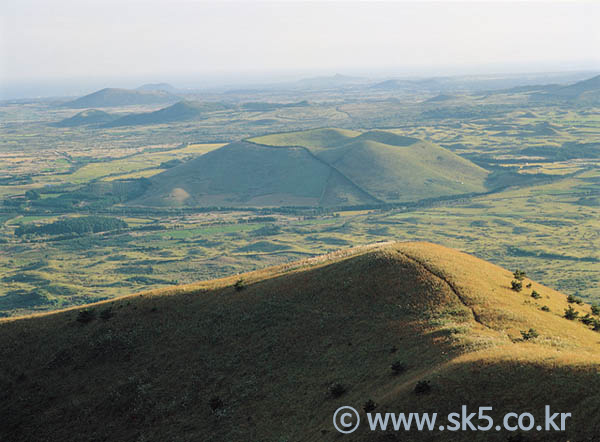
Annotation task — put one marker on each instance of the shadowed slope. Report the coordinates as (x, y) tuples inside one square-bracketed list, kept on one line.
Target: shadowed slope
[(245, 174), (267, 354), (110, 97)]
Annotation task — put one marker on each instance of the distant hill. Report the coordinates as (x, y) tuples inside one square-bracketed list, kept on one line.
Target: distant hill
[(181, 111), (92, 117), (440, 98), (112, 97), (322, 167), (586, 91), (158, 87), (581, 92), (271, 355)]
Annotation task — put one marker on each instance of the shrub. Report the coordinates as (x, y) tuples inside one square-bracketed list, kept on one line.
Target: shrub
[(587, 319), (106, 314), (369, 406), (595, 310), (215, 404), (545, 308), (336, 389), (529, 334), (422, 387), (596, 326), (517, 286), (574, 300), (239, 285), (398, 367), (85, 316), (528, 286), (571, 313), (519, 275), (535, 295)]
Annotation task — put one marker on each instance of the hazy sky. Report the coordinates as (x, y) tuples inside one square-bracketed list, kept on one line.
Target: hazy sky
[(156, 39)]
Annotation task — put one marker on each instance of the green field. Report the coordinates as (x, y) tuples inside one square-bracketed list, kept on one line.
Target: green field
[(530, 171)]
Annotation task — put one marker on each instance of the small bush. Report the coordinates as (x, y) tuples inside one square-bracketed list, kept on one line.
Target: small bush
[(587, 319), (517, 286), (106, 314), (535, 295), (239, 285), (369, 406), (595, 310), (85, 316), (422, 387), (571, 313), (215, 404), (596, 326), (545, 308), (574, 300), (529, 334), (528, 286), (337, 389), (519, 275), (398, 367)]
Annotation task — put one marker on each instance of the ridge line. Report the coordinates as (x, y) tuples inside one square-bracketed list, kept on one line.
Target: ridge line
[(459, 295)]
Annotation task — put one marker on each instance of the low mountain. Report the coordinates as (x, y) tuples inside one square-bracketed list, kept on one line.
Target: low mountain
[(322, 167), (440, 98), (112, 97), (581, 92), (89, 117), (271, 355), (181, 111)]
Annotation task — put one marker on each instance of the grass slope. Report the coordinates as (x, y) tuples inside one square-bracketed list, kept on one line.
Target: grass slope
[(181, 111), (314, 138), (110, 97), (147, 368), (388, 166), (242, 174), (87, 117), (320, 167)]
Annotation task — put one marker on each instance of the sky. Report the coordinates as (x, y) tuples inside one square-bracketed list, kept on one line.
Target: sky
[(58, 41)]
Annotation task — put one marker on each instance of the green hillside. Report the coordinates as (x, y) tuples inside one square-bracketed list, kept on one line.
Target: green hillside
[(314, 138), (110, 97), (87, 117), (323, 167), (181, 111), (246, 174), (388, 166)]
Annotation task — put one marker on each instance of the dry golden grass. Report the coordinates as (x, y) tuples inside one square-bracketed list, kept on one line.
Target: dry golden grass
[(271, 350)]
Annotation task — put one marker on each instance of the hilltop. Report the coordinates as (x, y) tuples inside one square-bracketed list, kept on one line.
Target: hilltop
[(255, 356), (112, 97), (322, 167), (181, 111), (87, 117)]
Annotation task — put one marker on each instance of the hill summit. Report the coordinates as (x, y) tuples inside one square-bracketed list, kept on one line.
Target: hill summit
[(112, 97), (322, 167), (181, 111), (270, 355)]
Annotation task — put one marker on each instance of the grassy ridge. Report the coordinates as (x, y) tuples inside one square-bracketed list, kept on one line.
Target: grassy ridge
[(211, 362)]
